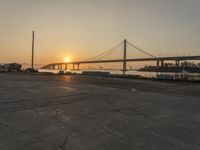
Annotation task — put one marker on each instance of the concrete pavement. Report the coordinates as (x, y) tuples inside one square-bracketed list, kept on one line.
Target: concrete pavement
[(42, 112)]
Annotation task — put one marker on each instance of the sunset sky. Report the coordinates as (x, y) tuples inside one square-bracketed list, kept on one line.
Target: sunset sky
[(83, 28)]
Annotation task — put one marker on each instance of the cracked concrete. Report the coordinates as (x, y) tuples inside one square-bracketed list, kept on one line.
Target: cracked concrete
[(62, 146), (66, 140), (86, 113)]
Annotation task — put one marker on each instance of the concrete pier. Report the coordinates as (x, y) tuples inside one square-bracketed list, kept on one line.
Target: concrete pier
[(66, 66), (177, 62), (39, 112)]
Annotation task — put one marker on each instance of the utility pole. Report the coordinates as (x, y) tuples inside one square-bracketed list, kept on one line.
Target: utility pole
[(33, 40), (124, 59)]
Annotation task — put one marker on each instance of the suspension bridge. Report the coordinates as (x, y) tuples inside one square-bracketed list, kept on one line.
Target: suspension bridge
[(125, 57)]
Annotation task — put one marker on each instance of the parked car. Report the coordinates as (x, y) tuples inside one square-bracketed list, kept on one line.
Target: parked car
[(2, 70), (11, 67)]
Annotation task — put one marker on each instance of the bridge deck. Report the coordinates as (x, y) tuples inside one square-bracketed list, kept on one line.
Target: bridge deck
[(180, 58)]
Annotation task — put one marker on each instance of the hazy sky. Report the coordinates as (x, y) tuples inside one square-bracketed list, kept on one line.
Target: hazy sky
[(83, 28)]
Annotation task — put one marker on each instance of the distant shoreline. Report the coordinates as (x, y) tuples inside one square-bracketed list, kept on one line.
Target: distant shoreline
[(160, 77)]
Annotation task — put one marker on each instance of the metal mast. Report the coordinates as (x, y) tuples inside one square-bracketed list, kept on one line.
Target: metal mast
[(33, 40)]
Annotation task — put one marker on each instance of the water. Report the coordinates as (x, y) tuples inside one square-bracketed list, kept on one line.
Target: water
[(183, 76)]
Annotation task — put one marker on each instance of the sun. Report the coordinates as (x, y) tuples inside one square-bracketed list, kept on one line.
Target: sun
[(67, 59)]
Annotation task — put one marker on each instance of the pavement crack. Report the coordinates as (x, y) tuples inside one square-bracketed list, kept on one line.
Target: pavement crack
[(59, 120), (66, 140), (62, 146), (29, 106), (63, 96), (128, 111)]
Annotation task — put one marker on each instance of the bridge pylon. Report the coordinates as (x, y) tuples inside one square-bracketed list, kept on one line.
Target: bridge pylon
[(124, 57)]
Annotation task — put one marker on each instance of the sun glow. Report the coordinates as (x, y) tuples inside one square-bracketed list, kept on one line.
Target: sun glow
[(67, 59)]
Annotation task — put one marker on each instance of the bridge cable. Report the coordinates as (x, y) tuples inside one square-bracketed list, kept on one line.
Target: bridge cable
[(110, 52), (106, 53), (141, 50), (44, 50)]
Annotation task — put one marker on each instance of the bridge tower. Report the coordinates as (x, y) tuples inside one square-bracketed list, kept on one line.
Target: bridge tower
[(124, 58)]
